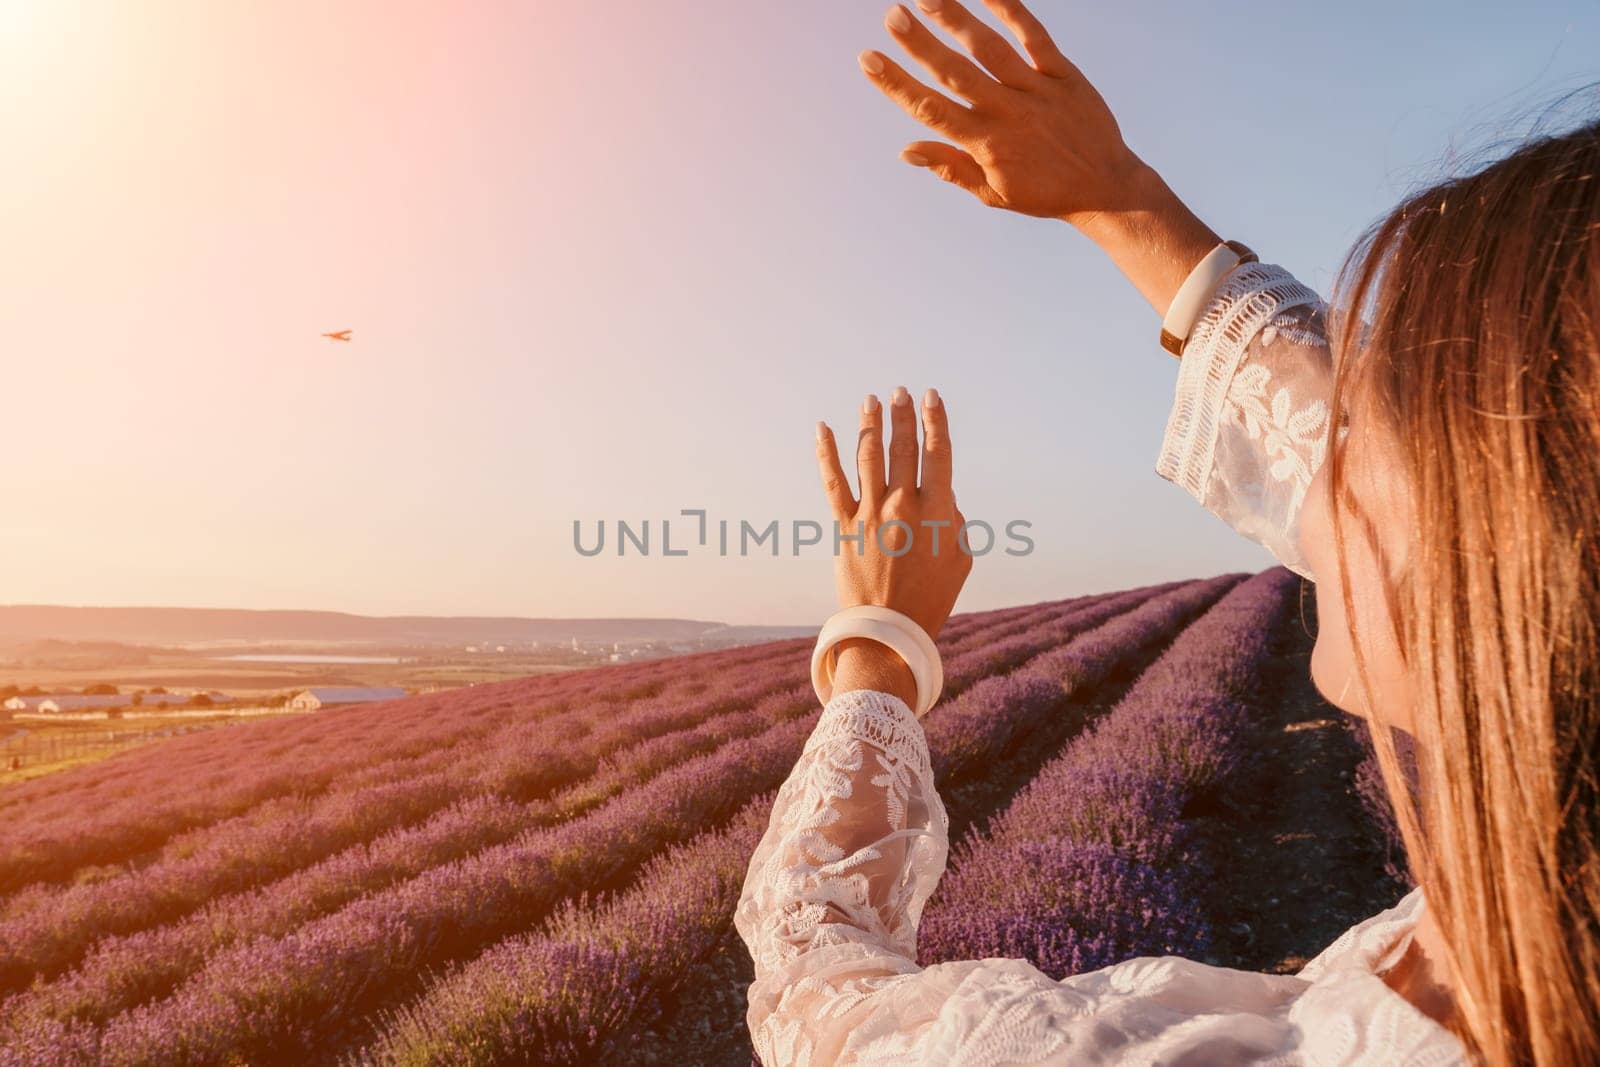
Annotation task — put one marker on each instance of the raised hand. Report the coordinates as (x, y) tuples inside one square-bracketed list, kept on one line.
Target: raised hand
[(909, 557), (1036, 138)]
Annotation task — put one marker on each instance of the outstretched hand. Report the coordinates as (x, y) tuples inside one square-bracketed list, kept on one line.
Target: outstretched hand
[(1037, 138), (908, 556)]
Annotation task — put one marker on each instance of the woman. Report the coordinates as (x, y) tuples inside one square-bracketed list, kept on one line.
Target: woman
[(1452, 531)]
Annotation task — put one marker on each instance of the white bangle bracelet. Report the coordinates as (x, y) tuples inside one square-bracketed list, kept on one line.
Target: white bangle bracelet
[(1196, 292), (888, 627)]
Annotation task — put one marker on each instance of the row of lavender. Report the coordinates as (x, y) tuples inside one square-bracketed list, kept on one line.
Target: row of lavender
[(134, 802), (1091, 863), (154, 959), (122, 971), (557, 995), (109, 780), (47, 928), (31, 804), (114, 811), (1374, 797), (431, 903)]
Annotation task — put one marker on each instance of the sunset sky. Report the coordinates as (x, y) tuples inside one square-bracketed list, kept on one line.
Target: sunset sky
[(609, 261)]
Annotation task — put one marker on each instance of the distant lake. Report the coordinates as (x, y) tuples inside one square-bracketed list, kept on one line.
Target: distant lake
[(292, 657)]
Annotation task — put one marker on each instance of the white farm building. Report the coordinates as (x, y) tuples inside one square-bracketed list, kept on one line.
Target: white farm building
[(333, 695), (78, 702), (65, 702)]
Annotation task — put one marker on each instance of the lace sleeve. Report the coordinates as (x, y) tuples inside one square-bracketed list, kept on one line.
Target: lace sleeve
[(857, 841), (1249, 422)]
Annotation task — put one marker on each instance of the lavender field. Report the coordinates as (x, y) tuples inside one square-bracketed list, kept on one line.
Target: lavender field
[(545, 870)]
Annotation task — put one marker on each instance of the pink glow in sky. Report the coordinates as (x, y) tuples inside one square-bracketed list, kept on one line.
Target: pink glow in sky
[(614, 260)]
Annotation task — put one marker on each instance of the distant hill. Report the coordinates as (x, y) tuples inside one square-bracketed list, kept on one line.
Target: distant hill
[(21, 623)]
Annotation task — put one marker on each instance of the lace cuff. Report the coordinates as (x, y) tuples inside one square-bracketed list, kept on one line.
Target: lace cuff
[(1250, 296), (1249, 421), (879, 718)]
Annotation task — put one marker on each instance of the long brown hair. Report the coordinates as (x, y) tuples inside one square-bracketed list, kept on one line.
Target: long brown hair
[(1475, 309)]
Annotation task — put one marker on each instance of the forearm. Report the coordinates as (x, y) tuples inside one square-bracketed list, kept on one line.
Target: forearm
[(856, 842), (865, 664), (1152, 236)]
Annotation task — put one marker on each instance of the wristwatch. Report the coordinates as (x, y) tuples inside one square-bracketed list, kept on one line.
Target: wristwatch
[(1197, 290)]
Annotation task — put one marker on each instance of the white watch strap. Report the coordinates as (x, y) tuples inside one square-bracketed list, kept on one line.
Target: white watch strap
[(1197, 290), (888, 627)]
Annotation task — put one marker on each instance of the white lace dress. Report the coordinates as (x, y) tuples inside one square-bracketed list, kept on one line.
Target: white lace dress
[(859, 837)]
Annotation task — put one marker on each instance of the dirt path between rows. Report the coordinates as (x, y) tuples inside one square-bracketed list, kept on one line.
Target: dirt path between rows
[(1297, 859)]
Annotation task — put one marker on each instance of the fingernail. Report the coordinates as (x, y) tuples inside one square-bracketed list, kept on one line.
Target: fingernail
[(930, 5), (931, 398), (871, 62), (901, 398), (822, 430), (899, 19), (870, 404), (916, 159)]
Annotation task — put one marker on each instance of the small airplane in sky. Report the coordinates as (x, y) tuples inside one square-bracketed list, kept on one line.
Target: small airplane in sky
[(339, 335)]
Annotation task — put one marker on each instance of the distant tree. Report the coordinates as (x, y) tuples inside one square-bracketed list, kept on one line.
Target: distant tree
[(200, 700), (31, 691), (138, 698), (100, 689), (159, 690)]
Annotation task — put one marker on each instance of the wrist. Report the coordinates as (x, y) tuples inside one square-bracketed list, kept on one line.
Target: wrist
[(1151, 236), (862, 663)]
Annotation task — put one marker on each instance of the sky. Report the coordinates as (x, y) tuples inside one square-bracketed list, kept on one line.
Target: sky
[(613, 261)]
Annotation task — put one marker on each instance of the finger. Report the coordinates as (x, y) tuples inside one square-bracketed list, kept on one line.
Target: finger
[(953, 70), (903, 443), (869, 452), (935, 449), (834, 484), (1047, 58), (954, 166), (929, 107), (983, 41)]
